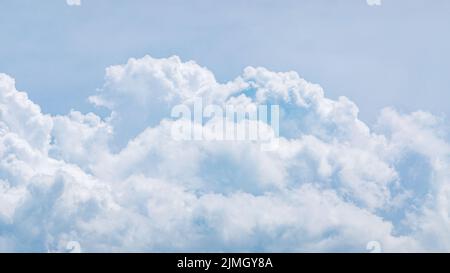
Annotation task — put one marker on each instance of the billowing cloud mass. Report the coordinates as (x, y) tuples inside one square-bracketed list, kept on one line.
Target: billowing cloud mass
[(123, 184)]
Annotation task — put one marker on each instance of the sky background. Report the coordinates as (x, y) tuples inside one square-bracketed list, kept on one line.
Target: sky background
[(395, 54), (87, 147)]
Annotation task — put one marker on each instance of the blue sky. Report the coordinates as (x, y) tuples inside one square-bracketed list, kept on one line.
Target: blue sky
[(395, 54), (88, 155)]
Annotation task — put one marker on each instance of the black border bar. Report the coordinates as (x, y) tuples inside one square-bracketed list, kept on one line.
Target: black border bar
[(224, 262)]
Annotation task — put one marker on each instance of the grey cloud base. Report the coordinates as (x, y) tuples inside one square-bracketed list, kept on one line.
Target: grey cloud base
[(123, 184)]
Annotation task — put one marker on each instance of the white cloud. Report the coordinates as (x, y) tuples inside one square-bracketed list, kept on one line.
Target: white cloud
[(123, 184)]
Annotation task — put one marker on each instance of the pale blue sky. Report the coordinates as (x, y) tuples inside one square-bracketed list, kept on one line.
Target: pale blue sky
[(392, 55), (115, 184)]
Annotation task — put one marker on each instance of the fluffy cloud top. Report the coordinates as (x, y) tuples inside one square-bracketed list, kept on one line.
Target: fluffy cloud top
[(123, 184)]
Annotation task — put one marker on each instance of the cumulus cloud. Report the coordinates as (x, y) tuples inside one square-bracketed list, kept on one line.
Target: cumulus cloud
[(124, 184)]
